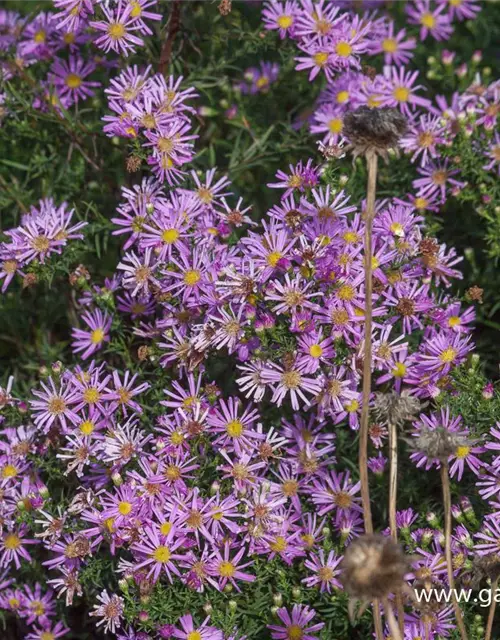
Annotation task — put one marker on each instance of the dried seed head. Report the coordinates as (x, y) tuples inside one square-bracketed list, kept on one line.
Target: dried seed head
[(474, 294), (374, 130), (395, 408), (373, 567), (485, 567), (439, 444)]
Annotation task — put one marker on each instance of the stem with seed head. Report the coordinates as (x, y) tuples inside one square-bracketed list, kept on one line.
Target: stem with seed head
[(491, 614), (393, 493), (391, 621), (445, 481), (371, 161)]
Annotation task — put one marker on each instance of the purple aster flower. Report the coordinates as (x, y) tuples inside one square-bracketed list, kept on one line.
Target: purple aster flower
[(437, 177), (295, 625), (293, 381), (423, 138), (54, 404), (395, 47), (69, 79), (190, 631), (431, 20), (12, 550), (118, 29), (50, 631), (110, 610), (324, 571), (281, 16), (493, 155), (223, 569), (399, 90), (90, 341), (461, 9), (159, 551)]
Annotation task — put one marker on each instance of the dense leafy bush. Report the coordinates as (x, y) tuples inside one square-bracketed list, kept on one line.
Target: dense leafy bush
[(209, 398)]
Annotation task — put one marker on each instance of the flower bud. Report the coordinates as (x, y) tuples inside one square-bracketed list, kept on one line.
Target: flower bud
[(233, 605)]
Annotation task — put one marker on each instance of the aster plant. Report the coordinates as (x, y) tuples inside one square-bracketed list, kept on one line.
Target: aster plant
[(227, 328)]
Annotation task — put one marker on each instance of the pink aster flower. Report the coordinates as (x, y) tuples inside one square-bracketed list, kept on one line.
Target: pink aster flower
[(296, 624), (90, 341), (395, 46)]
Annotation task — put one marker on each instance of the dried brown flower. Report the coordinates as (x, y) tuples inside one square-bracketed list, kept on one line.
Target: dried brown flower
[(133, 164), (373, 567), (485, 567), (29, 280), (374, 130), (474, 294), (396, 408), (439, 443), (428, 247), (143, 352)]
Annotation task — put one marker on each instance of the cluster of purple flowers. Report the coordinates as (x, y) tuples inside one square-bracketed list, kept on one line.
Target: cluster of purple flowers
[(44, 231), (282, 301), (153, 109), (334, 41)]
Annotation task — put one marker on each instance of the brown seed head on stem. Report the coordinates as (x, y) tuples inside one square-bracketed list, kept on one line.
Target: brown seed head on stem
[(374, 130)]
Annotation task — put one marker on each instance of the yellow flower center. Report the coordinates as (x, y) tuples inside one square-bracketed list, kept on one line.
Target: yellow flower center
[(169, 236), (73, 81), (166, 528), (69, 38), (40, 243), (428, 20), (192, 277), (342, 96), (39, 37), (234, 428), (124, 508), (136, 11), (294, 632), (346, 292), (448, 355), (273, 258), (9, 471), (116, 30), (165, 145), (87, 427), (97, 336), (226, 569), (162, 554), (401, 94), (335, 125), (352, 406), (320, 58), (279, 545), (91, 395), (453, 321), (389, 45), (47, 635), (462, 452), (315, 351), (284, 22), (421, 203), (194, 635), (350, 237), (399, 370), (291, 379), (397, 229), (56, 405), (343, 49), (12, 542)]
